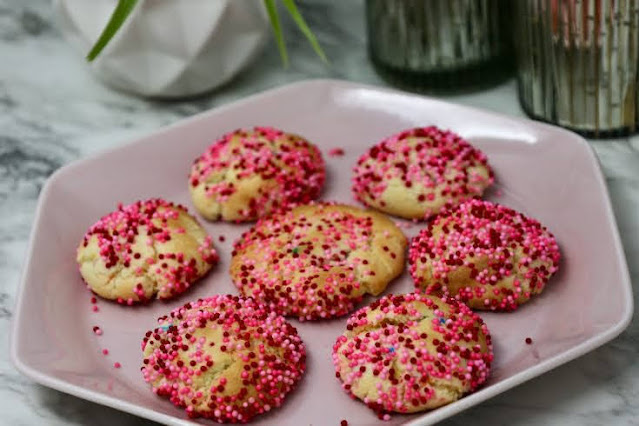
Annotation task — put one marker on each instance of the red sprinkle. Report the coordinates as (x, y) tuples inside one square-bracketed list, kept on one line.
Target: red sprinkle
[(343, 423), (117, 365), (105, 352), (97, 330), (336, 152), (529, 341)]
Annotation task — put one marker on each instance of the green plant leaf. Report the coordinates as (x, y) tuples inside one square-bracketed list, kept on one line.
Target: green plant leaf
[(273, 16), (118, 17), (301, 24)]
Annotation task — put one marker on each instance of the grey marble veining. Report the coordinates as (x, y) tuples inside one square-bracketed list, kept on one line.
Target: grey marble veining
[(52, 111)]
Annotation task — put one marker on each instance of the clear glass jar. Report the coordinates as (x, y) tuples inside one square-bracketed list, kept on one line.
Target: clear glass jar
[(577, 63), (440, 44)]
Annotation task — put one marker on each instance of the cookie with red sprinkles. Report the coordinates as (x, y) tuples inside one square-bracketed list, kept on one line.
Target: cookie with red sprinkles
[(416, 173), (317, 261), (145, 250), (412, 352), (487, 255), (225, 358), (250, 173)]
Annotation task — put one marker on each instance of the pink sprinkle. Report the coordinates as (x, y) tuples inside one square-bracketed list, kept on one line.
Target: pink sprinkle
[(404, 225), (386, 417), (97, 330), (117, 365), (105, 352), (95, 308), (336, 152)]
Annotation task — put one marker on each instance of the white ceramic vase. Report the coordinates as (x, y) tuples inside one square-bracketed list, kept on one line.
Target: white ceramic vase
[(169, 48)]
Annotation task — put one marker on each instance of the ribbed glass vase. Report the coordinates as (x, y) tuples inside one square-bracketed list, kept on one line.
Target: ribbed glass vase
[(440, 44), (577, 63)]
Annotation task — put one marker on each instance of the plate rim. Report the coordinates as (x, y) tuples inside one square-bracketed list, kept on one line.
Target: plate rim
[(428, 417)]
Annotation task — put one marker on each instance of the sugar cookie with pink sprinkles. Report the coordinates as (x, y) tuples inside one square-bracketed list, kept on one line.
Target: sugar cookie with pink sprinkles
[(247, 174), (412, 352), (487, 255), (145, 250), (416, 173), (317, 261), (225, 358)]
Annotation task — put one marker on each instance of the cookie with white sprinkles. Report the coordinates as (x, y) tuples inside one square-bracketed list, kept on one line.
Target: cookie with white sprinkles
[(225, 358), (145, 250), (247, 174), (317, 261), (412, 352), (418, 172), (487, 255)]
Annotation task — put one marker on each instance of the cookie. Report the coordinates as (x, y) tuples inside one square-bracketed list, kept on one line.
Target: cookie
[(412, 352), (487, 255), (418, 172), (248, 174), (145, 250), (225, 358), (317, 261)]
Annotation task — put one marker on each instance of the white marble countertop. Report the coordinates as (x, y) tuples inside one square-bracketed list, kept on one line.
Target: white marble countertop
[(53, 112)]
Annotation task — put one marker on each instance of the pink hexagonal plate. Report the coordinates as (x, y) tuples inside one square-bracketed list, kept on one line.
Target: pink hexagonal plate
[(548, 173)]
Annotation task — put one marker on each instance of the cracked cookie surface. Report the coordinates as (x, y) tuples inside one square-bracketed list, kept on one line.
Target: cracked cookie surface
[(416, 173), (317, 261), (145, 250), (226, 358), (487, 255), (250, 173), (412, 352)]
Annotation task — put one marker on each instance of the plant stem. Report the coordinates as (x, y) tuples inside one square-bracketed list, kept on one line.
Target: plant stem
[(273, 16), (118, 17)]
